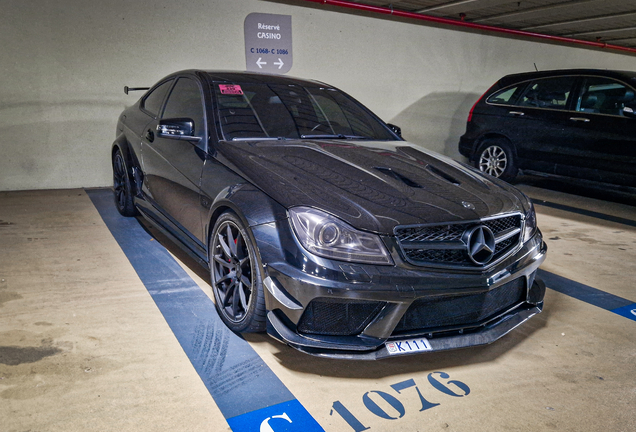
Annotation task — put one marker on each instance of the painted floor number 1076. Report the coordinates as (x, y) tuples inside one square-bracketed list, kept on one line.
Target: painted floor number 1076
[(449, 387)]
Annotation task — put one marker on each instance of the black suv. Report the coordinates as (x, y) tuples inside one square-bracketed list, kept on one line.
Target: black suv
[(576, 123)]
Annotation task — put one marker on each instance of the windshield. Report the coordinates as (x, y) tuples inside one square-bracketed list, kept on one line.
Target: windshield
[(276, 111)]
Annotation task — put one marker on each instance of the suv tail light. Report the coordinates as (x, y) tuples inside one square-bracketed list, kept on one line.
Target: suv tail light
[(470, 113)]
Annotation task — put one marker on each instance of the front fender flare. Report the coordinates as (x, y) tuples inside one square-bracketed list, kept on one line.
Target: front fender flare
[(253, 206)]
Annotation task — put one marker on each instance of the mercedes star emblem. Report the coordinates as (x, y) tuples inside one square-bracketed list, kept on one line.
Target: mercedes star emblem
[(480, 242)]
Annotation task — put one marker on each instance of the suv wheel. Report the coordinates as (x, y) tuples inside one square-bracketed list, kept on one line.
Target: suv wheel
[(495, 157)]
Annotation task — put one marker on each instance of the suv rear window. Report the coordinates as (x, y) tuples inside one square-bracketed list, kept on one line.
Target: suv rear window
[(505, 96)]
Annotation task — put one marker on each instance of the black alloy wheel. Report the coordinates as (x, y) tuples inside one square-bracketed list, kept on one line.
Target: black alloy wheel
[(495, 157), (122, 186), (234, 273)]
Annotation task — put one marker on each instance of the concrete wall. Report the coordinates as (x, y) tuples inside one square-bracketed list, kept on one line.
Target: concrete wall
[(64, 64)]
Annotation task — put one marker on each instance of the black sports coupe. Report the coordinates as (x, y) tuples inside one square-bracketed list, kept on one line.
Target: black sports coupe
[(320, 224)]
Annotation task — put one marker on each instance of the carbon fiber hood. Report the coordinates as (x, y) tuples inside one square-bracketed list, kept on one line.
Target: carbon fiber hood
[(373, 186)]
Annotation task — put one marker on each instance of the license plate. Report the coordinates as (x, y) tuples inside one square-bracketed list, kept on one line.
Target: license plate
[(408, 346)]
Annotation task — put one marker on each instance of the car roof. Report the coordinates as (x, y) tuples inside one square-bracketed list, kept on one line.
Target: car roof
[(514, 78), (249, 77)]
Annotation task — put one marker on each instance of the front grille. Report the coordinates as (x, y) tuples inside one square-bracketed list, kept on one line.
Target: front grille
[(445, 256), (445, 244), (428, 313), (504, 223), (431, 233), (338, 317)]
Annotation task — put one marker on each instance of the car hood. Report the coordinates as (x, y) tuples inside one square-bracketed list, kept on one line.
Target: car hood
[(373, 186)]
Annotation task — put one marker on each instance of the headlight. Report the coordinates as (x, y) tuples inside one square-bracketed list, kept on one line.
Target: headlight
[(531, 224), (329, 237)]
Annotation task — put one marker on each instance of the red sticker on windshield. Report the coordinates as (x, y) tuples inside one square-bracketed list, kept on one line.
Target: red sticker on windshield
[(230, 89)]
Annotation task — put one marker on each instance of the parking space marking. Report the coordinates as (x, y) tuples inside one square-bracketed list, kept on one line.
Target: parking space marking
[(249, 395), (589, 213), (392, 406), (628, 311), (618, 305), (287, 416), (247, 392), (587, 294)]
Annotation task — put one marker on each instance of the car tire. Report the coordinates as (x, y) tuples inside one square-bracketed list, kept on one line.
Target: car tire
[(235, 276), (122, 186), (495, 157)]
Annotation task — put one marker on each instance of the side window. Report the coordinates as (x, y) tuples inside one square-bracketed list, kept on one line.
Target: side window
[(548, 93), (185, 101), (603, 96), (505, 96), (152, 101)]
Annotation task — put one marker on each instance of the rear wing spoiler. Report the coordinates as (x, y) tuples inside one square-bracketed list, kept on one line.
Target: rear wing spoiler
[(129, 89)]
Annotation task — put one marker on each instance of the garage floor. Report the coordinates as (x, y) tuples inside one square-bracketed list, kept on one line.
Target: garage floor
[(102, 330)]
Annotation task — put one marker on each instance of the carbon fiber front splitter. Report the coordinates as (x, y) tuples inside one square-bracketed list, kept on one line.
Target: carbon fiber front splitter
[(365, 348)]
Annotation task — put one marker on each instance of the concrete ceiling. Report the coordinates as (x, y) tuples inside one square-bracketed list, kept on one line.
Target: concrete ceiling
[(606, 21)]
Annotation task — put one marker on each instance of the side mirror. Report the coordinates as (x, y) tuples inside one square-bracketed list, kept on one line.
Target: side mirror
[(629, 110), (396, 129), (177, 128)]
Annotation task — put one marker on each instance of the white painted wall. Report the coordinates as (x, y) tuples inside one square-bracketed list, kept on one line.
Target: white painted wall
[(63, 65)]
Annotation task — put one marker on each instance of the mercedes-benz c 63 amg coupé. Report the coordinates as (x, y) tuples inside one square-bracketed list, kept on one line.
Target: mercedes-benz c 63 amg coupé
[(320, 224)]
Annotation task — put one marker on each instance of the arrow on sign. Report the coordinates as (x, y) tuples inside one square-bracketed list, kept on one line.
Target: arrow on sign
[(279, 63), (260, 63)]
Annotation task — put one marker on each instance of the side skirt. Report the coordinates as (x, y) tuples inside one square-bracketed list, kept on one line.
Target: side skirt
[(194, 250)]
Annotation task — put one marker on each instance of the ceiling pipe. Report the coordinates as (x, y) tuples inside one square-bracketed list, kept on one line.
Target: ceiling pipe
[(581, 20), (446, 5), (534, 10), (599, 32), (474, 26), (614, 39)]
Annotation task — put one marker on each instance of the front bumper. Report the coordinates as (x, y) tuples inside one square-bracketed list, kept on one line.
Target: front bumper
[(485, 335), (293, 279)]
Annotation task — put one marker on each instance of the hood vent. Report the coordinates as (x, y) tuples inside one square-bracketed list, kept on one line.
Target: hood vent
[(442, 174), (396, 175)]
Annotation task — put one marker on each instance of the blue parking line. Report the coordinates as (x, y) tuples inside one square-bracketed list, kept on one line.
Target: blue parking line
[(589, 213), (604, 300), (249, 395), (593, 296)]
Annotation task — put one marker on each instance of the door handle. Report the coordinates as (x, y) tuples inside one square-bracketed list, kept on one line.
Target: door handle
[(517, 113), (580, 119), (150, 135)]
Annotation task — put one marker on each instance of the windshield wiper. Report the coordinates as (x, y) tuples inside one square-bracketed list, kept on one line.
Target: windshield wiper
[(335, 136), (260, 138)]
